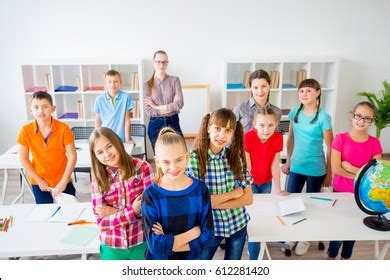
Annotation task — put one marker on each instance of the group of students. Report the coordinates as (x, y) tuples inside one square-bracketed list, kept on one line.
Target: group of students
[(197, 198)]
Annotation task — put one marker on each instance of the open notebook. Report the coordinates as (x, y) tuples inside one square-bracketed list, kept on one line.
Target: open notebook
[(64, 213)]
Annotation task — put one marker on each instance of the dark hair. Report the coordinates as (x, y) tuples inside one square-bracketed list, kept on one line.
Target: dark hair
[(113, 73), (236, 153), (41, 95), (312, 84), (260, 74), (367, 104), (150, 82), (99, 169), (167, 136)]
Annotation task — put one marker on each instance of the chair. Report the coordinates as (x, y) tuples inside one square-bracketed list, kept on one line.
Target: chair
[(139, 130), (82, 132), (284, 126)]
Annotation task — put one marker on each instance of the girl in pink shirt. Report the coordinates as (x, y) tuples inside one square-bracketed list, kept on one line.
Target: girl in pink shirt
[(350, 151)]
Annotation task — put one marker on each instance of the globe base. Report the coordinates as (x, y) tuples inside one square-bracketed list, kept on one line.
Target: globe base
[(377, 223)]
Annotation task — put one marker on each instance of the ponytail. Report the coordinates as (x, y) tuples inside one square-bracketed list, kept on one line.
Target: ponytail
[(296, 115), (201, 146), (318, 109), (236, 153)]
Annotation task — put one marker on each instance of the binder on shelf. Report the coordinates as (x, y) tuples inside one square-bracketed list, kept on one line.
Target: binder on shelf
[(71, 115), (65, 88), (275, 76), (301, 75), (134, 81), (35, 89), (48, 82), (247, 75), (235, 86), (80, 109), (94, 88)]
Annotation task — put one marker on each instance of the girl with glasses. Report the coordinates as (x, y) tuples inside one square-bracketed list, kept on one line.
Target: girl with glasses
[(350, 151), (163, 98)]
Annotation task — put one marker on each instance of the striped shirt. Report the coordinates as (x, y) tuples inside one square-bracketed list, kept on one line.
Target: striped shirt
[(124, 228), (220, 179)]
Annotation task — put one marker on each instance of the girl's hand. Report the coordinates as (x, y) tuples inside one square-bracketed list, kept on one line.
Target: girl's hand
[(137, 204), (158, 229), (282, 193), (105, 211), (286, 168), (347, 166), (150, 103), (237, 192), (328, 180)]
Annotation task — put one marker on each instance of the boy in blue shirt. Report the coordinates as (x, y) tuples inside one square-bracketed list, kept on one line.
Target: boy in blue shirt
[(113, 107)]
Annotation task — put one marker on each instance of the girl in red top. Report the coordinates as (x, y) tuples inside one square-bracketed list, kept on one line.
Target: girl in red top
[(262, 151)]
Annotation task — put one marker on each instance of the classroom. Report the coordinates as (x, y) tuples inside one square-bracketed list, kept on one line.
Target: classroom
[(213, 47)]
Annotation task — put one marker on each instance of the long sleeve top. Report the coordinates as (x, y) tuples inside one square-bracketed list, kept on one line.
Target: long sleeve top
[(124, 228), (165, 92), (177, 212)]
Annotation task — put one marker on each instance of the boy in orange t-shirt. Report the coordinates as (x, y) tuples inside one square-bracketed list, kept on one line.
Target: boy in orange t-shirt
[(51, 144)]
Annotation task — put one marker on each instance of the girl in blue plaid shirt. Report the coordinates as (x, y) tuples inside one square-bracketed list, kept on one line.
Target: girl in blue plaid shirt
[(219, 160), (176, 209)]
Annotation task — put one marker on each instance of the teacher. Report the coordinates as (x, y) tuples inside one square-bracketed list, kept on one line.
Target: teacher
[(163, 98)]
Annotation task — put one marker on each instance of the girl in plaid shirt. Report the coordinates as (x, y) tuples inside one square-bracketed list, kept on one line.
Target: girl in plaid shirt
[(176, 210), (117, 185), (219, 160)]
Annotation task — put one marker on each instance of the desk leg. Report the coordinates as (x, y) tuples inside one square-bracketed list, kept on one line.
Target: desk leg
[(381, 255), (24, 182), (263, 249), (5, 183), (84, 256)]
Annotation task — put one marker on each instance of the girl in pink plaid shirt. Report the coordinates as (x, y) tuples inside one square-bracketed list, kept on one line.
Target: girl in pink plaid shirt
[(117, 186)]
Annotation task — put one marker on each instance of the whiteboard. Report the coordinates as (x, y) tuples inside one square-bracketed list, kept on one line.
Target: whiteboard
[(196, 106)]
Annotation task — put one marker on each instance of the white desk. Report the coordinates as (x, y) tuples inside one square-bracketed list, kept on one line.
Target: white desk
[(344, 221), (41, 238), (10, 160)]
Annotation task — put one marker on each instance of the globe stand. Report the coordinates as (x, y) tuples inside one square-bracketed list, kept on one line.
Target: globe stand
[(377, 222)]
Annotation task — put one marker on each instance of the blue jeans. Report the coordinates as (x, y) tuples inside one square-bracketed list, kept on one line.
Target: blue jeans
[(158, 123), (297, 181), (45, 197), (254, 247), (234, 246)]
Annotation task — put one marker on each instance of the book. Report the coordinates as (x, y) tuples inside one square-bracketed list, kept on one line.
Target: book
[(48, 81), (78, 82), (35, 89), (134, 81), (301, 75), (71, 115), (65, 88), (235, 86), (247, 75)]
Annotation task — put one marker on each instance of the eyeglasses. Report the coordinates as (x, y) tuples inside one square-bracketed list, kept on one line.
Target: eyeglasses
[(365, 119), (163, 62)]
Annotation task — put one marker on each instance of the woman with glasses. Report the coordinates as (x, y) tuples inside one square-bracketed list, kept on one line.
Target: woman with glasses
[(163, 98), (350, 151)]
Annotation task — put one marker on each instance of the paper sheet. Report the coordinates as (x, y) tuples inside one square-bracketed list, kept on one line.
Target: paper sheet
[(291, 205), (80, 235)]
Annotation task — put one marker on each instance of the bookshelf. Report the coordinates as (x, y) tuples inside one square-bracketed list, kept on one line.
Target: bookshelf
[(75, 87), (288, 72)]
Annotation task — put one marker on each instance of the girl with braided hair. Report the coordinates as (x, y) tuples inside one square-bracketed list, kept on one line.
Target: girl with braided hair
[(306, 162), (219, 160)]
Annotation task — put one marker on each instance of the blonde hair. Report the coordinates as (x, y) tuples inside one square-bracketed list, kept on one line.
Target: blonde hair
[(150, 82), (265, 112), (235, 154), (98, 169), (167, 136)]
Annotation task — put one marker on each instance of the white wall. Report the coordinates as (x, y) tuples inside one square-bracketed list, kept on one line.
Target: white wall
[(197, 35)]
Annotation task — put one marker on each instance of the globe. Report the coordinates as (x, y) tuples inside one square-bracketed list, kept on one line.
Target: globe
[(372, 193)]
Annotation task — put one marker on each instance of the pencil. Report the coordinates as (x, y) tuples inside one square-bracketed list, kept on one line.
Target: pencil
[(334, 202), (321, 198), (280, 219), (299, 221)]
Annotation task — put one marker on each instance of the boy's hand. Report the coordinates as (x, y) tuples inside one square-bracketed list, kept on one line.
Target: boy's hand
[(44, 186), (105, 211), (137, 204), (61, 186), (158, 229)]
